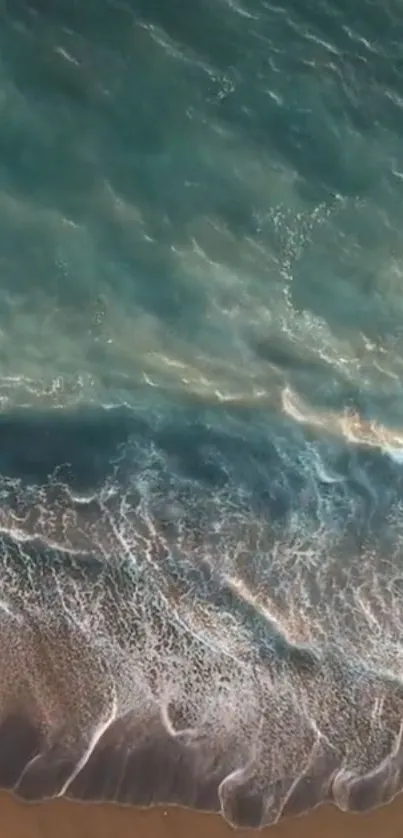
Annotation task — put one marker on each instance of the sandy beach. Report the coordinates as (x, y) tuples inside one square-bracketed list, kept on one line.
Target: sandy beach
[(64, 819)]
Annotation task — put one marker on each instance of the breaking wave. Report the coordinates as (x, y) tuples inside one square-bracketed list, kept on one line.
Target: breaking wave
[(194, 617)]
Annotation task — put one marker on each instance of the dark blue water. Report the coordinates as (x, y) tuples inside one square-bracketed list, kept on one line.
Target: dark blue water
[(201, 426)]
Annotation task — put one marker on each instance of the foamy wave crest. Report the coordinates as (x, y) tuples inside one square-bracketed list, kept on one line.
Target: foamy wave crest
[(165, 639), (106, 694)]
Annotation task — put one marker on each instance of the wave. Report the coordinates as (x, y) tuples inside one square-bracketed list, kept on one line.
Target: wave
[(201, 597), (107, 694), (197, 612)]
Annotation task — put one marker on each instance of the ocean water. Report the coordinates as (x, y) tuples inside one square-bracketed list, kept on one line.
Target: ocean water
[(201, 403)]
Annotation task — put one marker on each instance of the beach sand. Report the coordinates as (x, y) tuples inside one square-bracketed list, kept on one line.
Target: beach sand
[(63, 819)]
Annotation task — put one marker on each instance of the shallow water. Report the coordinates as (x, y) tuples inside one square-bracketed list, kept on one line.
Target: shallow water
[(201, 432)]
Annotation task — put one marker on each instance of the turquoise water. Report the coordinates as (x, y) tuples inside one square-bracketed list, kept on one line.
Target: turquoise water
[(201, 427)]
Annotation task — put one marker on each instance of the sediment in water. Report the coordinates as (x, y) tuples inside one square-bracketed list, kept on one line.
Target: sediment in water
[(108, 694)]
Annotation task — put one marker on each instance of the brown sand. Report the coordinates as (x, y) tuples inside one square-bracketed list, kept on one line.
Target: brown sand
[(62, 819)]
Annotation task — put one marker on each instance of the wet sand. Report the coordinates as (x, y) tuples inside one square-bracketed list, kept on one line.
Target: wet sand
[(64, 819)]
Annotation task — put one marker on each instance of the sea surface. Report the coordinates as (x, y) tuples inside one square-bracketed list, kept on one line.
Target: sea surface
[(201, 402)]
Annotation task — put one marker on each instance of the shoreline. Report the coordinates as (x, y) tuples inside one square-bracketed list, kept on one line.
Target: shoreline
[(68, 819)]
